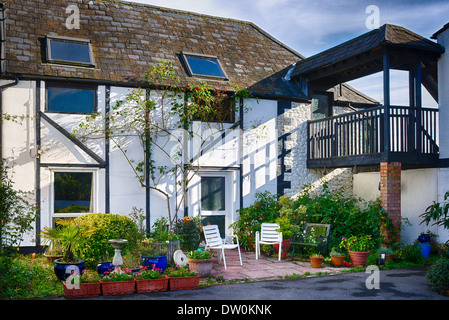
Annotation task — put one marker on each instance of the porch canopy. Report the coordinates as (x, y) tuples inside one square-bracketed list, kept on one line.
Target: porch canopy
[(366, 54), (395, 133)]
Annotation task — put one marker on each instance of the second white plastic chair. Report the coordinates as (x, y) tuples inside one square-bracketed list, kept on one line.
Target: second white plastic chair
[(268, 235)]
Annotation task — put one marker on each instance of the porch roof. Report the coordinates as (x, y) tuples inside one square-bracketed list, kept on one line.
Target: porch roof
[(386, 36)]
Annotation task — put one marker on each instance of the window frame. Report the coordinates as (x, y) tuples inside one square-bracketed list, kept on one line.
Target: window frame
[(51, 60), (71, 86), (184, 56), (94, 194)]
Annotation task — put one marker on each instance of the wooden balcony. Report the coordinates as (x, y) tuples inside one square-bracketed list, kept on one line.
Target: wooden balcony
[(371, 136)]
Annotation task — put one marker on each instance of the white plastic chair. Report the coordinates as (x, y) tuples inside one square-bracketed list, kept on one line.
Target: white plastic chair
[(215, 242), (268, 235)]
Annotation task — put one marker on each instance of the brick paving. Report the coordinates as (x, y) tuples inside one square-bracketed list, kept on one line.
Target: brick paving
[(264, 268)]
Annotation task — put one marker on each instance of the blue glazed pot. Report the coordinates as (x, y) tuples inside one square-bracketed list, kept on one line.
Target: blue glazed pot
[(61, 267), (158, 262), (103, 267), (424, 249)]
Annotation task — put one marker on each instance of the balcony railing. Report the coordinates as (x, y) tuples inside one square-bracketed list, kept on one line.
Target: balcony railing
[(366, 138)]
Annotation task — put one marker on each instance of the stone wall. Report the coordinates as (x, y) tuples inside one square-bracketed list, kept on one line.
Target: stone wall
[(293, 124)]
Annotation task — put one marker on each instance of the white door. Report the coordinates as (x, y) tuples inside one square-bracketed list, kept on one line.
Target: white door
[(215, 199)]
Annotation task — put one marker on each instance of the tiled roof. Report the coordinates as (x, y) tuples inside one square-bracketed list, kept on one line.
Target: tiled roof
[(128, 38), (387, 35)]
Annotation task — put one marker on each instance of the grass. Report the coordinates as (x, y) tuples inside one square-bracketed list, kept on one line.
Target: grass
[(24, 277)]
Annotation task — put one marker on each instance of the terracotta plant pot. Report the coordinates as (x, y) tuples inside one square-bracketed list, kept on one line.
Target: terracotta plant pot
[(85, 290), (112, 288), (316, 262), (202, 266), (358, 258), (183, 283), (337, 261), (285, 247), (153, 285)]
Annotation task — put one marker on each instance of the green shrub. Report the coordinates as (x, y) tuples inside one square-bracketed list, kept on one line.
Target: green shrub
[(17, 212), (349, 216), (438, 275), (264, 209), (107, 226)]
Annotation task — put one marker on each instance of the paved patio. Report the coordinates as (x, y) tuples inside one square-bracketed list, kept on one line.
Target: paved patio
[(264, 268)]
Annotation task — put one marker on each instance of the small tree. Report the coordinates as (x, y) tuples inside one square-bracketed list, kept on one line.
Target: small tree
[(16, 213), (164, 121), (438, 213)]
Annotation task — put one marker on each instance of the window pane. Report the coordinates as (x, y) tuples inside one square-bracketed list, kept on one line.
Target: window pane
[(71, 51), (73, 192), (65, 99), (205, 66), (320, 106), (213, 193)]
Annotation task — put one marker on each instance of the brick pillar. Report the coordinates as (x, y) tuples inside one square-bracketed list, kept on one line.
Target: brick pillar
[(390, 192)]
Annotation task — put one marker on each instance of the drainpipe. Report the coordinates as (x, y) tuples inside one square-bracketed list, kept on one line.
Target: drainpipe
[(2, 39)]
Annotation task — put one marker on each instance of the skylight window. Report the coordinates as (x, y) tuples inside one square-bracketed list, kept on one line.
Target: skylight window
[(69, 51), (203, 65)]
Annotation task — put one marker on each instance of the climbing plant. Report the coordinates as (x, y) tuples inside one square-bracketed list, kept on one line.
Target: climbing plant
[(167, 120)]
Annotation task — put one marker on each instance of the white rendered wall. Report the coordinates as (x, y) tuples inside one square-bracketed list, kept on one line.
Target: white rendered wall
[(259, 157), (419, 189), (18, 145)]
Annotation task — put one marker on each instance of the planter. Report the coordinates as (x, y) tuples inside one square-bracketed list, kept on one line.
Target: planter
[(316, 262), (52, 258), (424, 249), (61, 268), (152, 285), (337, 261), (113, 288), (202, 266), (184, 283), (104, 267), (358, 258), (85, 290), (285, 247), (157, 262)]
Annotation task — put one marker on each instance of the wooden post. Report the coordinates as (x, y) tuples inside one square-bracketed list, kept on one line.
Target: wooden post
[(386, 78), (418, 104)]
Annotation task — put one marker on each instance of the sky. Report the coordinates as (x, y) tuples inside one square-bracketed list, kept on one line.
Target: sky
[(310, 27)]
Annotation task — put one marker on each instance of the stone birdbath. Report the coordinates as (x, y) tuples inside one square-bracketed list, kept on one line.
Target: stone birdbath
[(118, 245)]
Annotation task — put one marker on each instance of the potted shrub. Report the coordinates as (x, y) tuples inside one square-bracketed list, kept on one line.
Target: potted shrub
[(316, 260), (385, 254), (337, 257), (182, 278), (151, 280), (53, 253), (154, 254), (67, 235), (86, 285), (358, 247), (438, 276), (201, 261), (118, 282)]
